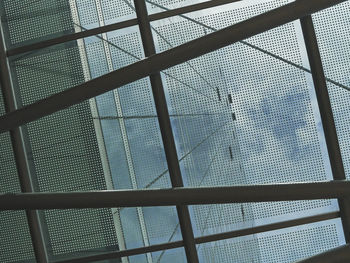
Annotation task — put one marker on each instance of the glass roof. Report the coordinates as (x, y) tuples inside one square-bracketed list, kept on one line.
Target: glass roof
[(245, 114)]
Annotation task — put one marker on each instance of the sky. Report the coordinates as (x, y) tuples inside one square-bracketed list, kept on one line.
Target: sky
[(276, 136)]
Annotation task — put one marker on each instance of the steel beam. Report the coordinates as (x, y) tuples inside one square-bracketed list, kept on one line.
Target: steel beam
[(337, 255), (115, 26), (164, 60), (166, 131), (326, 113), (177, 196), (209, 238), (20, 154)]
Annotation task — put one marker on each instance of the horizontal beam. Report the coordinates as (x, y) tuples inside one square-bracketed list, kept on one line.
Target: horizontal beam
[(164, 60), (115, 26), (266, 228), (125, 253), (205, 239), (337, 255), (176, 196)]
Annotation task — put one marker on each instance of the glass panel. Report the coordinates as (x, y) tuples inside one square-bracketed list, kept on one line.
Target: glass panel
[(282, 246), (244, 114), (332, 29), (29, 21), (110, 142), (156, 6), (15, 238), (171, 255)]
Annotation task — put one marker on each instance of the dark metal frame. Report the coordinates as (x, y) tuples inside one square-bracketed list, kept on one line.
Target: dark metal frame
[(179, 196)]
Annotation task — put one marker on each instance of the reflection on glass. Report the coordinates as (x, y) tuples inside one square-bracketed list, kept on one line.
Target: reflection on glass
[(240, 115)]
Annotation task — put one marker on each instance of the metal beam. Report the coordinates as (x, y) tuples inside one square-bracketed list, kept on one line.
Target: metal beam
[(166, 131), (337, 255), (125, 253), (115, 26), (20, 154), (177, 196), (164, 60), (266, 228), (205, 239), (326, 113)]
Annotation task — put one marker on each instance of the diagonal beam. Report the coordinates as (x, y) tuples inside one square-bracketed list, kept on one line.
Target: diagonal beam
[(177, 196), (115, 26), (205, 239), (166, 131), (337, 255), (164, 60)]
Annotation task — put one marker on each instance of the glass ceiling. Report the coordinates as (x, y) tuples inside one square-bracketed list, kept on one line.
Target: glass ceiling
[(245, 114)]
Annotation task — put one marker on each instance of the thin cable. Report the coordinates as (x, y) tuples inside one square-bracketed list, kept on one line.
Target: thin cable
[(253, 46), (154, 116), (183, 157)]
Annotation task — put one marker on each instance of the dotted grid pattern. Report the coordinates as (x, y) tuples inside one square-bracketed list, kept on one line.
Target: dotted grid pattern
[(293, 246), (229, 251), (275, 125), (333, 36), (111, 12), (65, 151), (167, 3), (278, 247), (142, 130), (14, 232), (170, 255), (29, 20), (87, 12), (206, 131)]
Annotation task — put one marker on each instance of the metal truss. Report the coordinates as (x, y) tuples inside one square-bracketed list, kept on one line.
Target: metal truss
[(178, 195)]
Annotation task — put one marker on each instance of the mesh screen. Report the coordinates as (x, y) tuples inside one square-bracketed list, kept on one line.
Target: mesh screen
[(14, 232), (243, 116), (170, 255), (29, 20), (64, 149), (333, 38), (156, 5), (110, 12), (129, 123), (278, 246)]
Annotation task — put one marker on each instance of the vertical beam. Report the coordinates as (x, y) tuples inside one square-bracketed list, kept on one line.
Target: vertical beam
[(326, 115), (20, 154), (166, 131)]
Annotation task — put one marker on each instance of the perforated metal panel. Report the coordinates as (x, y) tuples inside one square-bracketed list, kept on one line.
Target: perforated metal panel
[(267, 134), (170, 255), (14, 232), (278, 246), (114, 9), (332, 29), (29, 20), (64, 149)]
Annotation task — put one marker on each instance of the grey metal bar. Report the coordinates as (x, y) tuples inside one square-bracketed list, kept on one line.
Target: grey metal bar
[(125, 253), (266, 228), (71, 37), (166, 59), (337, 255), (116, 26), (324, 104), (177, 196), (20, 154), (166, 131), (209, 238)]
